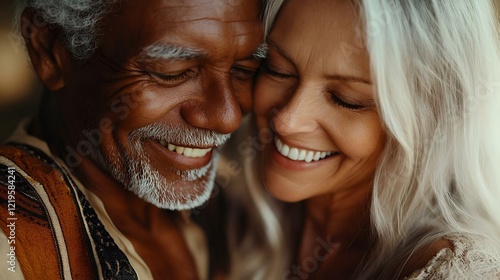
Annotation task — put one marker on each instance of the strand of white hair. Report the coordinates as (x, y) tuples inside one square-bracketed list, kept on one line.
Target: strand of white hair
[(437, 68)]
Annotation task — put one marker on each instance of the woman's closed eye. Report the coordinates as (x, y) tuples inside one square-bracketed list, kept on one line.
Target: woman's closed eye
[(334, 96)]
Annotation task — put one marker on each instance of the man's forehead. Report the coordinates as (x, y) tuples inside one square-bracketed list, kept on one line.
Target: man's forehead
[(173, 17), (184, 30), (186, 10)]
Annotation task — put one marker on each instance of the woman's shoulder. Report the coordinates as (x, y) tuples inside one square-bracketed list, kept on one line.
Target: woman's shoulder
[(461, 256)]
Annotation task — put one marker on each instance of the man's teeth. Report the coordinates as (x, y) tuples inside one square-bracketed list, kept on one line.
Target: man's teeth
[(185, 151), (299, 154)]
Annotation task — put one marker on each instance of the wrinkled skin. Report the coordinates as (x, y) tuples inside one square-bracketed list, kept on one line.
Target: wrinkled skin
[(117, 92)]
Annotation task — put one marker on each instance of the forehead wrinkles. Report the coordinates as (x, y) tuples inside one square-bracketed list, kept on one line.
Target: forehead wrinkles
[(215, 26), (223, 11), (231, 22), (234, 39), (337, 48), (185, 23)]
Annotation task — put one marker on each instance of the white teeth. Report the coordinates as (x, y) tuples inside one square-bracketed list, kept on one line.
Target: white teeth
[(179, 150), (299, 154), (302, 155), (185, 151), (316, 156), (294, 154), (188, 152), (279, 145), (309, 156), (284, 150)]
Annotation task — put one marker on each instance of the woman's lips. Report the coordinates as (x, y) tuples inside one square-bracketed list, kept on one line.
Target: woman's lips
[(298, 154), (300, 159)]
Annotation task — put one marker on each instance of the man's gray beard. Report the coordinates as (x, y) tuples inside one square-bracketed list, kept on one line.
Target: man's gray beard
[(191, 190)]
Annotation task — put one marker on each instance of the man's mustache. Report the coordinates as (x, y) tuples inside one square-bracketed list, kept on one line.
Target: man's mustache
[(193, 137)]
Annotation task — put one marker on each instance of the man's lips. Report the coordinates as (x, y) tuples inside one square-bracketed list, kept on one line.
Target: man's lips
[(179, 158), (186, 151)]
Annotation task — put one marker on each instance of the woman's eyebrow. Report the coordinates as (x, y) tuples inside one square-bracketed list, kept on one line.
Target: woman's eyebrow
[(273, 45), (347, 78), (338, 77)]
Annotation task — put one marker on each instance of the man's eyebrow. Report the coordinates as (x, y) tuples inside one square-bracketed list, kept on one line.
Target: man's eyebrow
[(261, 52), (170, 52)]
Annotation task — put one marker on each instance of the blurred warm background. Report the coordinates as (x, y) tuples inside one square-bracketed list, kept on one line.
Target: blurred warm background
[(19, 89)]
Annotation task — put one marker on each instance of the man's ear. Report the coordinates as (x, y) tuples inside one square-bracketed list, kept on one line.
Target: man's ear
[(45, 49)]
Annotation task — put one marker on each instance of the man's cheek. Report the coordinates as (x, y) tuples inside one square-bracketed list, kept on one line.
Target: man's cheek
[(120, 108), (246, 102)]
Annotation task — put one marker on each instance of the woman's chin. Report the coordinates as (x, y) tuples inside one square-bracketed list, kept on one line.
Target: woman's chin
[(285, 193)]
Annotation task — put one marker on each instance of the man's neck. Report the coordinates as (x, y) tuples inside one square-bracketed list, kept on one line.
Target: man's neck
[(155, 233)]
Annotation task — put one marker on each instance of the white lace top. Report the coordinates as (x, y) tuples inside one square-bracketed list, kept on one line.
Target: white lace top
[(471, 258)]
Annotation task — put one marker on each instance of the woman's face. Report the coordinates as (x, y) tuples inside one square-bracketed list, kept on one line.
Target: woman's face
[(315, 94)]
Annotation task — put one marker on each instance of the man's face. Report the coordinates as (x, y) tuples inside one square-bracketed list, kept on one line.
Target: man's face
[(168, 85)]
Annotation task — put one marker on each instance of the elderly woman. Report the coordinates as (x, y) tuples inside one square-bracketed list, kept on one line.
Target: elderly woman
[(381, 118)]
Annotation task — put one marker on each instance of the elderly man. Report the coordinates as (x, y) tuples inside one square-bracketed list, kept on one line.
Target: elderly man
[(138, 97)]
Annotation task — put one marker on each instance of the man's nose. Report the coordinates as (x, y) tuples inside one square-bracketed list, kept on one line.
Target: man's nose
[(218, 109)]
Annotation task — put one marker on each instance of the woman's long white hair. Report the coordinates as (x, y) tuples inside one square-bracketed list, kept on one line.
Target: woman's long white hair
[(436, 67), (437, 70), (258, 246)]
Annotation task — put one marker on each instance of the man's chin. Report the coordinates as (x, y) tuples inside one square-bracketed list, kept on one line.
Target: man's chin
[(188, 195), (183, 205), (190, 190)]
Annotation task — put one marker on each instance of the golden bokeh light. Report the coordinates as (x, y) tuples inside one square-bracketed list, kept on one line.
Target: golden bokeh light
[(16, 75)]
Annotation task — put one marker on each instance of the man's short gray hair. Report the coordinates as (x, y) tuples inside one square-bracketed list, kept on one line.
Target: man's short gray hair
[(80, 21)]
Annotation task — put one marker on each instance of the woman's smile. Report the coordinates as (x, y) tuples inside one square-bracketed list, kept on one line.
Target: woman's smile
[(299, 154)]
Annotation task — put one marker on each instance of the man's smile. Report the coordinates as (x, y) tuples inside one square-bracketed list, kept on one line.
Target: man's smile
[(184, 150), (177, 156)]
